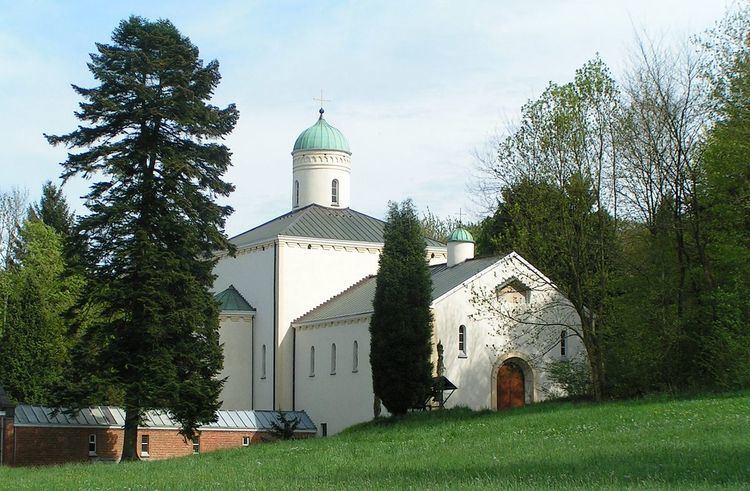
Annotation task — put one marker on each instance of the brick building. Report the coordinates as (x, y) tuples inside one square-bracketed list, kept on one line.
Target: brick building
[(34, 435)]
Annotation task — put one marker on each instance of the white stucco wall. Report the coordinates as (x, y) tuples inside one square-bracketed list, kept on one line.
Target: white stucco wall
[(312, 272), (345, 398), (236, 334), (309, 278), (315, 171), (251, 273), (487, 348), (341, 401)]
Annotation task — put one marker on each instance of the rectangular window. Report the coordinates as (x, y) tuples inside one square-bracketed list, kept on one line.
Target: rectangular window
[(92, 444), (263, 362), (197, 445), (245, 441), (144, 445), (324, 429), (462, 341), (563, 343)]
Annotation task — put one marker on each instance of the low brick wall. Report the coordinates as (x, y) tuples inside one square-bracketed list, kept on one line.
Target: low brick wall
[(39, 445)]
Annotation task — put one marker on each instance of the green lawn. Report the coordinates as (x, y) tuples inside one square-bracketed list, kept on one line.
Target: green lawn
[(654, 443)]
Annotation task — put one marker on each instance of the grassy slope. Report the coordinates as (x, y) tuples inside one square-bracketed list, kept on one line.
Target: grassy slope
[(697, 442)]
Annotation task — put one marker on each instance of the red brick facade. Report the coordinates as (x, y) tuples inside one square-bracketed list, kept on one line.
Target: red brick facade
[(47, 445)]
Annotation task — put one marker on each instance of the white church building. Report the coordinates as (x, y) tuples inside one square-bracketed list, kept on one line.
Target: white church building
[(296, 301)]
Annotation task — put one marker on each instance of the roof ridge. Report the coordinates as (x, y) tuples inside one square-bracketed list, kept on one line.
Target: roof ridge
[(280, 217), (331, 299)]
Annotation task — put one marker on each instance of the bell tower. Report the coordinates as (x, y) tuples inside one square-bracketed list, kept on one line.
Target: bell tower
[(321, 167)]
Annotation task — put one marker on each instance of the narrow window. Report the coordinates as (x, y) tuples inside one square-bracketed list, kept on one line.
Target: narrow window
[(335, 192), (563, 342), (263, 362), (144, 445), (462, 340), (296, 193), (333, 359), (355, 357), (92, 444), (324, 429), (197, 445), (312, 361), (245, 441)]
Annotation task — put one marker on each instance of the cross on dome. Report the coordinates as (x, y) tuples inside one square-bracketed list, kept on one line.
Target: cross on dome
[(321, 100)]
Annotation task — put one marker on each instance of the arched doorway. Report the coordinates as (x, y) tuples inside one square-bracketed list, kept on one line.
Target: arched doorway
[(511, 387)]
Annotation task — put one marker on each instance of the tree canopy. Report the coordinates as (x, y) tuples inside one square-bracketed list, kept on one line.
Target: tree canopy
[(148, 138), (401, 324)]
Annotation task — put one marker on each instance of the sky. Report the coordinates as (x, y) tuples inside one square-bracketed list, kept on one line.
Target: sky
[(417, 87)]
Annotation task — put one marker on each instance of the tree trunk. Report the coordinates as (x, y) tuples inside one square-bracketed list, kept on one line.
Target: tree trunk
[(130, 440), (596, 359)]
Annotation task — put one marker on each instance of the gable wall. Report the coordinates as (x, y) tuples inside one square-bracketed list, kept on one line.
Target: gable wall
[(487, 345)]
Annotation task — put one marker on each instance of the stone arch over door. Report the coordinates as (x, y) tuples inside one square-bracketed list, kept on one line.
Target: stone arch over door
[(530, 377)]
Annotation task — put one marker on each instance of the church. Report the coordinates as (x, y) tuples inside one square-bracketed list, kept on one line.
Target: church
[(296, 300)]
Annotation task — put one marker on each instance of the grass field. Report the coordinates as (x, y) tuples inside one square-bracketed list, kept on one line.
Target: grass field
[(698, 442)]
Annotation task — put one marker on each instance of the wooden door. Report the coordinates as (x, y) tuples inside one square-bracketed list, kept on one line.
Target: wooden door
[(510, 386)]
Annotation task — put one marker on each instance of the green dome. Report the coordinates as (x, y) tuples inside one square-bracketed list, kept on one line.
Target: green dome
[(321, 136), (460, 235)]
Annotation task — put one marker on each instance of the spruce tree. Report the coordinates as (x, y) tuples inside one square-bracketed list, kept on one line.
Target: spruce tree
[(53, 210), (401, 325), (148, 136)]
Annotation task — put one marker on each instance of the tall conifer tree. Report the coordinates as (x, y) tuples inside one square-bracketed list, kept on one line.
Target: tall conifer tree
[(401, 325), (148, 136)]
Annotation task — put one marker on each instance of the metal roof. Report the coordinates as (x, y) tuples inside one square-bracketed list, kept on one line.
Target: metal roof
[(357, 299), (232, 300), (99, 416), (322, 136), (460, 235), (315, 221)]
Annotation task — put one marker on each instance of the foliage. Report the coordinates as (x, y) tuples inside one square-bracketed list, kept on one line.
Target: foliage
[(284, 425), (571, 376), (153, 226), (52, 210), (556, 170), (655, 443), (34, 344), (401, 324)]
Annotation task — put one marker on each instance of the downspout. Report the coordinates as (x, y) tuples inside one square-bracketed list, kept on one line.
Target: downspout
[(294, 367), (252, 353), (275, 314)]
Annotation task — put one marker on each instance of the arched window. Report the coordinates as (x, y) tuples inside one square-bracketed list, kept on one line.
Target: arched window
[(335, 192), (462, 340), (263, 362), (563, 342), (296, 193), (312, 361), (355, 357), (333, 359)]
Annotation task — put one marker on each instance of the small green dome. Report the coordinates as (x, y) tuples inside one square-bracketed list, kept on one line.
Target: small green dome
[(321, 136), (460, 235)]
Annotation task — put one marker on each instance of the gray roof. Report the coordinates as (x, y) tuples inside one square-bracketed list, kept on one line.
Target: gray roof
[(320, 222), (232, 300), (104, 416), (357, 299)]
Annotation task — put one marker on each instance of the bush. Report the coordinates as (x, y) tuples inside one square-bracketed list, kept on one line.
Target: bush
[(571, 378)]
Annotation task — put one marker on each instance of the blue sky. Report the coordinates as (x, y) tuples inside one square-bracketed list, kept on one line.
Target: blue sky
[(416, 86)]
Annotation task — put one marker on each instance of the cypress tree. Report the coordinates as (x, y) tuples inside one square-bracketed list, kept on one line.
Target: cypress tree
[(148, 136), (401, 325)]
